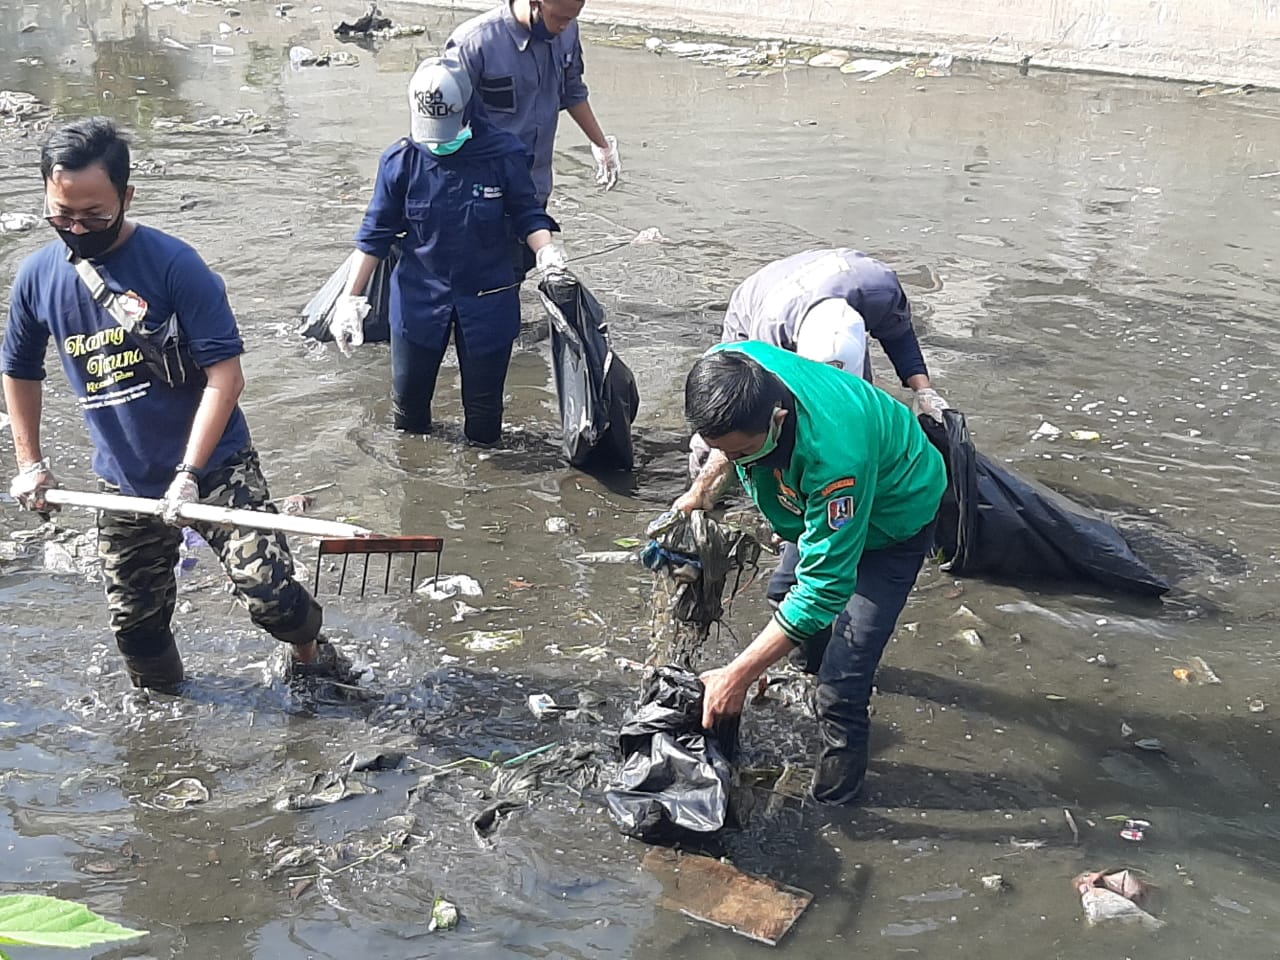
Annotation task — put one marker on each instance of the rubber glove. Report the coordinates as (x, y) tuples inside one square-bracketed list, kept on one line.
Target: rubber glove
[(930, 402), (551, 261), (182, 490), (347, 324), (608, 163), (29, 485)]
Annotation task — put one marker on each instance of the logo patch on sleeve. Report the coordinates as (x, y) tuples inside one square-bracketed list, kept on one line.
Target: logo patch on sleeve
[(845, 484), (839, 512)]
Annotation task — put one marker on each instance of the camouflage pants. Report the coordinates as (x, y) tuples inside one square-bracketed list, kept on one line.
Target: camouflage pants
[(139, 553)]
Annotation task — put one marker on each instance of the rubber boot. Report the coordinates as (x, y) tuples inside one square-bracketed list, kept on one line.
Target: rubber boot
[(162, 673), (842, 767)]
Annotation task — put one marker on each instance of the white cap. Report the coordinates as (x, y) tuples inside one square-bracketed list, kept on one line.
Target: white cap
[(438, 96), (835, 333)]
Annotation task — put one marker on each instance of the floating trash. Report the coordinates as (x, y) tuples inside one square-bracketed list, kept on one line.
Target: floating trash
[(454, 585), (444, 915), (492, 641), (182, 793), (18, 222)]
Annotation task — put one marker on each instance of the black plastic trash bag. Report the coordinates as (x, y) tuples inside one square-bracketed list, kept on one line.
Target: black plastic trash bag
[(997, 523), (674, 777), (318, 312), (597, 391)]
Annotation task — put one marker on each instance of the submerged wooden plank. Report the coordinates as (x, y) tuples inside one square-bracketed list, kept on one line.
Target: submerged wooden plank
[(724, 896)]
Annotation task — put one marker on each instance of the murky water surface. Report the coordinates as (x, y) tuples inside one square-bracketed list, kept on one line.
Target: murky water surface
[(1096, 252)]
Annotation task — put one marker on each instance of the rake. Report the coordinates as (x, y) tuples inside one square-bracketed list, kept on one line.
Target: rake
[(335, 539)]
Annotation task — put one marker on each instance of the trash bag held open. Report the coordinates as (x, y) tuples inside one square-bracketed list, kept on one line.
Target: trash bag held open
[(597, 391), (675, 776), (318, 313), (994, 522)]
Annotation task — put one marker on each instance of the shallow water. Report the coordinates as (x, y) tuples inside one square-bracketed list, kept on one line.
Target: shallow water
[(1091, 251)]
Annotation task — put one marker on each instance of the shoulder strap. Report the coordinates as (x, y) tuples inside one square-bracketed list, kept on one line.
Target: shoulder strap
[(102, 295)]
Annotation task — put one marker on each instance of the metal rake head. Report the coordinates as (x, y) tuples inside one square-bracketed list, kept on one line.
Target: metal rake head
[(367, 546)]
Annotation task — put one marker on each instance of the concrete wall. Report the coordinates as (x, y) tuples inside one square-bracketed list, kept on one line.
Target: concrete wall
[(1224, 41)]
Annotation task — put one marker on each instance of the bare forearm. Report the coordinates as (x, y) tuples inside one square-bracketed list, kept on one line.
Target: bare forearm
[(24, 398), (217, 404), (585, 118), (920, 381), (538, 239), (712, 478), (361, 271), (769, 646)]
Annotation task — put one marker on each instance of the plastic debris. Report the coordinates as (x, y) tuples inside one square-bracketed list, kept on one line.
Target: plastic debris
[(608, 556), (1046, 431), (297, 503), (558, 525), (174, 44), (1085, 435), (461, 610), (939, 66), (542, 704), (993, 882), (454, 585), (1114, 896), (830, 58), (648, 235), (1256, 705), (1182, 674), (325, 789), (181, 794), (298, 56), (1150, 744), (1134, 830), (17, 222), (971, 637), (444, 915), (1203, 671), (492, 641)]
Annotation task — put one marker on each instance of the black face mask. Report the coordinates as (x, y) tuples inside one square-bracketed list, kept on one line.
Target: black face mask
[(86, 246)]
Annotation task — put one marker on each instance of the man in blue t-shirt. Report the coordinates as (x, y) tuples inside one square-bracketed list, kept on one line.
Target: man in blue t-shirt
[(161, 402)]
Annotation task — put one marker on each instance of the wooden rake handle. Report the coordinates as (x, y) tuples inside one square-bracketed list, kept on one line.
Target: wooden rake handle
[(204, 513)]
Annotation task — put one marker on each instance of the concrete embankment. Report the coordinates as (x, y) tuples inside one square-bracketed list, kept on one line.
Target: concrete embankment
[(1220, 41)]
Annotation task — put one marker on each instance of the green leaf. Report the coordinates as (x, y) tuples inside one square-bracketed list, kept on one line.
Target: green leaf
[(627, 542), (33, 921)]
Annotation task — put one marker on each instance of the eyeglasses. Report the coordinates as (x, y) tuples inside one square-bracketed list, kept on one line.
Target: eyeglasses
[(91, 224)]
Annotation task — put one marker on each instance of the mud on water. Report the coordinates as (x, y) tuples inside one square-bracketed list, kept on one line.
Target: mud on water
[(1093, 252)]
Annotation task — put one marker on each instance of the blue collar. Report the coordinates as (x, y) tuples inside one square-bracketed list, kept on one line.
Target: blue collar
[(520, 34)]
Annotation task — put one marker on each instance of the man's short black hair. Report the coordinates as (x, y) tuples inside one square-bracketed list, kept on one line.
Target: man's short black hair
[(84, 143), (727, 391)]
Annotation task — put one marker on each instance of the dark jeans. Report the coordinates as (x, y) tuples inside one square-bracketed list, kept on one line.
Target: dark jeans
[(847, 668), (414, 369)]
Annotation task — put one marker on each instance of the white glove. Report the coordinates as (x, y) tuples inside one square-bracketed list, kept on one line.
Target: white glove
[(183, 490), (29, 485), (347, 324), (930, 402), (551, 261), (608, 163)]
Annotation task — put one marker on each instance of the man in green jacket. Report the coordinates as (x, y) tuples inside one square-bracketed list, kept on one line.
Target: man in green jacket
[(843, 470)]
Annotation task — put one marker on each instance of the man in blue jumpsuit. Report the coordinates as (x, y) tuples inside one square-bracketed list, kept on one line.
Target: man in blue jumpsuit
[(457, 185), (525, 62)]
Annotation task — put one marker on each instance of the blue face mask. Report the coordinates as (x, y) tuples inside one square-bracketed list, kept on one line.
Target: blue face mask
[(453, 146), (538, 26), (770, 443)]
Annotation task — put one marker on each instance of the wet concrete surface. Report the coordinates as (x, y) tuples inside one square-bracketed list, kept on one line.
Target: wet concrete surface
[(1094, 252)]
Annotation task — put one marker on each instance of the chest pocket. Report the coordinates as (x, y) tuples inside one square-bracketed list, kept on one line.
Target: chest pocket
[(499, 94)]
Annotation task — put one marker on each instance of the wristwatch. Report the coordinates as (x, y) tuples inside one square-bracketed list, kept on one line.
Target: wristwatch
[(188, 468)]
